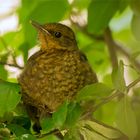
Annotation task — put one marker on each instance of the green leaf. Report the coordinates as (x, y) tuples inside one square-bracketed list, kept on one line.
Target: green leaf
[(24, 14), (72, 134), (25, 51), (4, 56), (123, 4), (47, 124), (106, 110), (3, 73), (26, 137), (59, 116), (28, 30), (51, 137), (22, 121), (136, 108), (9, 96), (93, 91), (118, 78), (57, 8), (100, 13), (14, 39), (8, 37), (7, 117), (81, 4), (107, 79), (17, 129), (125, 118), (57, 120), (135, 26), (98, 131), (87, 134), (73, 114), (30, 35)]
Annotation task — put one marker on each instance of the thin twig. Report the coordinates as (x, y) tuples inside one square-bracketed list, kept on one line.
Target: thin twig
[(15, 64), (110, 44), (3, 16), (54, 132), (133, 84), (107, 38), (108, 99), (12, 65), (84, 30), (125, 52), (117, 46), (111, 97), (104, 101)]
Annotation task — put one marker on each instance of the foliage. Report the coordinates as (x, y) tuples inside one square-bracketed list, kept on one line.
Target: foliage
[(111, 33), (9, 97)]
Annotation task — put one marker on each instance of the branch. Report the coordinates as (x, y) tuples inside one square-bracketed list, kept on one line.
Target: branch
[(111, 41), (133, 84), (107, 38), (84, 30), (110, 44), (10, 52), (125, 52), (55, 132), (106, 100), (12, 65), (3, 16), (117, 94), (109, 98)]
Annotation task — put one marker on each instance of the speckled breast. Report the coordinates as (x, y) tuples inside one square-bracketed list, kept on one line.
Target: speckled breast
[(50, 78)]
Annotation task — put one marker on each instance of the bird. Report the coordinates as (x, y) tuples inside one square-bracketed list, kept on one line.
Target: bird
[(55, 73)]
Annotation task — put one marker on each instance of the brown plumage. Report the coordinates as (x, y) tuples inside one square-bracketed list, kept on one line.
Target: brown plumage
[(55, 73)]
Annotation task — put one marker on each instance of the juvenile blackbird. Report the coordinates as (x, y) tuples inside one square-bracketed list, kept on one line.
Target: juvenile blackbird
[(55, 73)]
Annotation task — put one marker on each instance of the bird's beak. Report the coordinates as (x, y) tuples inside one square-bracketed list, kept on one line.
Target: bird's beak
[(39, 26)]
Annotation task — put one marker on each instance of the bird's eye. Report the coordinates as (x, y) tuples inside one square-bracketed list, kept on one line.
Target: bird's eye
[(57, 34)]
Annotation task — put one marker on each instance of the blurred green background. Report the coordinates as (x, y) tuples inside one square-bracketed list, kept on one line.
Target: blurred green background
[(105, 30)]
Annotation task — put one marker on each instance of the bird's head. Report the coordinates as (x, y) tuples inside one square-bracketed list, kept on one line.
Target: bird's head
[(55, 35)]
